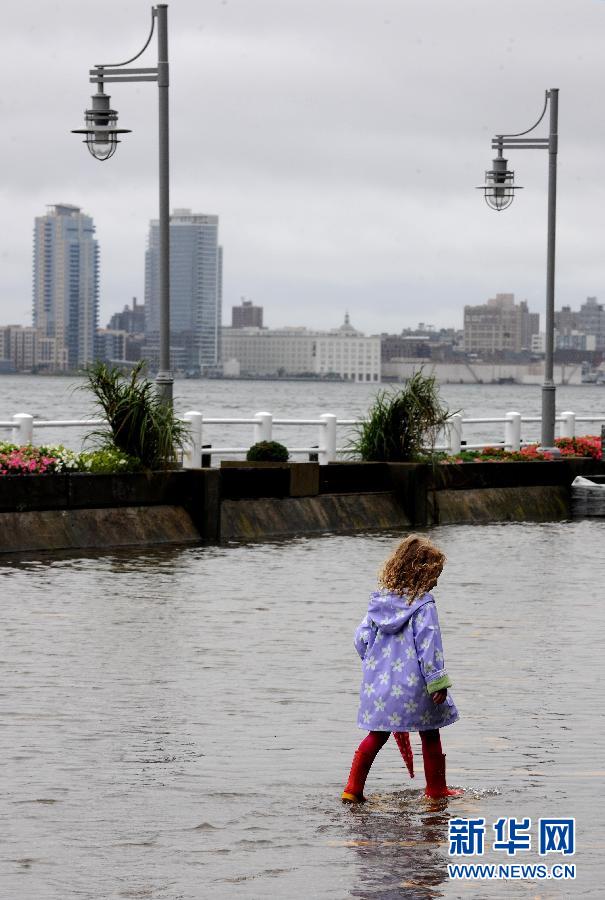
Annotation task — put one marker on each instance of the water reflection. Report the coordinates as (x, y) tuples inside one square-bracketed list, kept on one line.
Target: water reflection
[(399, 842)]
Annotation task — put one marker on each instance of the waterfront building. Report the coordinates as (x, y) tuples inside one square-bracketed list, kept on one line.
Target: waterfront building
[(404, 346), (66, 285), (5, 342), (195, 291), (132, 321), (247, 315), (591, 320), (111, 345), (24, 349), (588, 320), (500, 325), (342, 353)]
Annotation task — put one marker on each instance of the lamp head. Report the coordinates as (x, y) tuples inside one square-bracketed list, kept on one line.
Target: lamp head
[(499, 188), (101, 127)]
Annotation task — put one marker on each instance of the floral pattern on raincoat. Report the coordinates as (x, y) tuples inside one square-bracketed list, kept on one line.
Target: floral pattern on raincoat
[(402, 655)]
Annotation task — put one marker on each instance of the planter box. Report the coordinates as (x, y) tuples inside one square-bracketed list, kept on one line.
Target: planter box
[(80, 490), (465, 476), (268, 479), (22, 493), (354, 478), (134, 489), (195, 490)]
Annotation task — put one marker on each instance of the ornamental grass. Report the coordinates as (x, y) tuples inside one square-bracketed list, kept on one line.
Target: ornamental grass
[(140, 423), (402, 424)]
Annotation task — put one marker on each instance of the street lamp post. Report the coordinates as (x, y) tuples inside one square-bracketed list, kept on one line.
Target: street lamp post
[(499, 191), (102, 139)]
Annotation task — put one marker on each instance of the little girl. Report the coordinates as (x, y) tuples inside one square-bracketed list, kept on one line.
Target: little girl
[(404, 682)]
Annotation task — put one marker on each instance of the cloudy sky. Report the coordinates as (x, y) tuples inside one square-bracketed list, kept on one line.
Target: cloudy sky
[(339, 141)]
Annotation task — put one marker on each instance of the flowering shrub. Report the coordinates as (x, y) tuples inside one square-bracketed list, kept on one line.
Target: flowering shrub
[(29, 460), (25, 460), (588, 445), (107, 461)]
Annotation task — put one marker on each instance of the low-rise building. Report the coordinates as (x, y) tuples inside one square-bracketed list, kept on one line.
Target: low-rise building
[(589, 320), (24, 349), (247, 315), (111, 345), (131, 319), (342, 353)]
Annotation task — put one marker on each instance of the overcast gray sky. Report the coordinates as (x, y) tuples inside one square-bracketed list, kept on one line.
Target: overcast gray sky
[(339, 141)]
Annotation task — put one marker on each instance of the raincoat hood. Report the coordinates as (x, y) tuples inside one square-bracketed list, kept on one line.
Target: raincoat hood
[(391, 611)]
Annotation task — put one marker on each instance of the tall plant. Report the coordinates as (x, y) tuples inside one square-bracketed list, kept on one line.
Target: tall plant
[(402, 425), (139, 422)]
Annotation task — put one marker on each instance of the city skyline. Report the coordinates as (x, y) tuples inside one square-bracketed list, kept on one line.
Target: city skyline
[(345, 183)]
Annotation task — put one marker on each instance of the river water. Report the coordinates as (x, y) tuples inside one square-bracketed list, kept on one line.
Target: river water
[(61, 398), (178, 724)]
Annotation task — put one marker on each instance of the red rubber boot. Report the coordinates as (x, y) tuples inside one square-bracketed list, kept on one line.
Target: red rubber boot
[(402, 739), (362, 762), (434, 766)]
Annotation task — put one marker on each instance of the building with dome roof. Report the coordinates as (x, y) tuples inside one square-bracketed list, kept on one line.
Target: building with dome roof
[(343, 353)]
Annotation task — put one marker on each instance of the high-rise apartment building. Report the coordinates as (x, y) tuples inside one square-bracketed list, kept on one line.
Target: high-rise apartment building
[(196, 289), (66, 285)]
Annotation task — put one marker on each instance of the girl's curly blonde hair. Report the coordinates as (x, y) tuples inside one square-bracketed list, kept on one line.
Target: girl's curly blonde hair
[(413, 569)]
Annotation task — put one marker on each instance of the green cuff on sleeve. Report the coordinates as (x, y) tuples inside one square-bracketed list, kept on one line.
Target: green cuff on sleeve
[(438, 684)]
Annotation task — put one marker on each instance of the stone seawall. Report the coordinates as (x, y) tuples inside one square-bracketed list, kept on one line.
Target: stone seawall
[(273, 517), (49, 512), (61, 529)]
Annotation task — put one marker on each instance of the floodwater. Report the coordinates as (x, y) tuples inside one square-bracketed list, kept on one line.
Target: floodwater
[(179, 723)]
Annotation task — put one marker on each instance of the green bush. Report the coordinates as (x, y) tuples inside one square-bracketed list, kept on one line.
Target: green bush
[(267, 451), (108, 461), (402, 425), (139, 423)]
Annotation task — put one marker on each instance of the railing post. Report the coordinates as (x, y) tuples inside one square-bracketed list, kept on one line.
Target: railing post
[(568, 424), (192, 451), (455, 434), (263, 427), (23, 429), (512, 431), (327, 439)]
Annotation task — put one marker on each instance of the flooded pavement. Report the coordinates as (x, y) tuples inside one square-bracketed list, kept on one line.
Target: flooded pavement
[(180, 723)]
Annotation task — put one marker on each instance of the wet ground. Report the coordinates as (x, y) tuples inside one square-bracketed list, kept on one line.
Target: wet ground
[(179, 724)]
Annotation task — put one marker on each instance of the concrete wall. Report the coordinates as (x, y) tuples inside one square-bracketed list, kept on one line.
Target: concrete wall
[(249, 503), (481, 373), (273, 517), (53, 529)]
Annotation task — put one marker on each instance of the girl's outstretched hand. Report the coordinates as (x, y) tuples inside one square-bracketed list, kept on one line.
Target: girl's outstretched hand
[(439, 696)]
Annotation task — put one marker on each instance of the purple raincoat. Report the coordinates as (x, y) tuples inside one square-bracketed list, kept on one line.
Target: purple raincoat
[(402, 655)]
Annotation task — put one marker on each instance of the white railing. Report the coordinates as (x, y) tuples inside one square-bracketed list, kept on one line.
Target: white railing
[(23, 426)]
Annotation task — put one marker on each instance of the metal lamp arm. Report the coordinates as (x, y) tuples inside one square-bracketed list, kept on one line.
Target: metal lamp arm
[(521, 133), (140, 53)]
